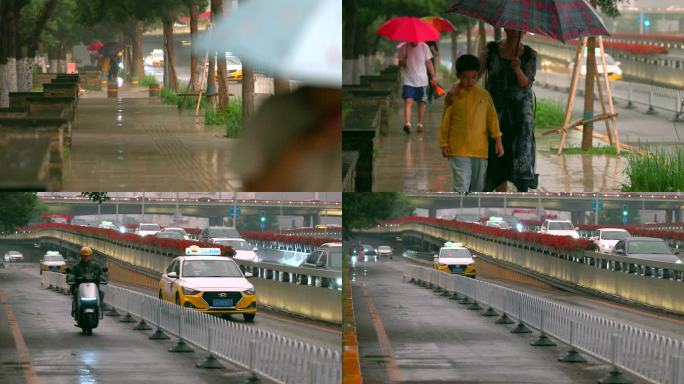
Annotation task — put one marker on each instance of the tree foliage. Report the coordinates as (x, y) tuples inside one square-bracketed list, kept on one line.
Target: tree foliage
[(362, 210), (18, 208), (98, 197)]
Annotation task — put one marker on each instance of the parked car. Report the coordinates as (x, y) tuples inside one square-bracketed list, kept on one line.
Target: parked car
[(606, 238), (455, 258), (612, 66), (209, 284), (155, 58), (646, 248), (145, 229), (559, 228), (210, 233), (385, 250)]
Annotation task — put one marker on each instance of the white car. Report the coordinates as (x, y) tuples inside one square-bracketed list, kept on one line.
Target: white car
[(559, 228), (14, 257), (613, 67), (455, 258), (497, 222), (179, 230), (606, 238), (146, 229), (243, 251), (384, 250), (210, 284), (155, 59)]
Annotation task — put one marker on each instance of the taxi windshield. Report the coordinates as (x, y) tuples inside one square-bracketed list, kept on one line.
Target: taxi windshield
[(54, 258), (614, 235), (454, 252), (210, 268)]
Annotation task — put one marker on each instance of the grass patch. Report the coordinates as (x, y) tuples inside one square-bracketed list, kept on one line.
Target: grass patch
[(549, 114), (607, 150), (658, 171), (169, 96), (231, 117), (146, 80)]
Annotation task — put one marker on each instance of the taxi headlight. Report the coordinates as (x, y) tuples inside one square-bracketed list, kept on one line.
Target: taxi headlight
[(189, 291), (250, 291)]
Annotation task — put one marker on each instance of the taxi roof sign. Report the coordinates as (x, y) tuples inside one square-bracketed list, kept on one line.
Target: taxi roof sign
[(53, 253), (195, 250), (451, 244), (496, 218)]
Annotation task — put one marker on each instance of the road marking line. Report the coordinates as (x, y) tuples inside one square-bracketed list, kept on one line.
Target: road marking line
[(392, 366), (22, 350)]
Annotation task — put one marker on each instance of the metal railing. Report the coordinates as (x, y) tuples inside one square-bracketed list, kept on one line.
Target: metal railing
[(651, 96), (648, 355), (265, 354)]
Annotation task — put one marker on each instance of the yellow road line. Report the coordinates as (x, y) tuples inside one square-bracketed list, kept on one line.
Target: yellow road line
[(392, 367), (22, 350)]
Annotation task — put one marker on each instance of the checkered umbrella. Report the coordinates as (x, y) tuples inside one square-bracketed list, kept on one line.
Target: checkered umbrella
[(558, 19)]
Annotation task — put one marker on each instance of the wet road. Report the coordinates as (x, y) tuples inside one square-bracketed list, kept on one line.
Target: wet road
[(410, 334), (58, 353)]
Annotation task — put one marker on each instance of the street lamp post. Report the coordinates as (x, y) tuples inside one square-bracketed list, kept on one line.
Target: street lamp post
[(143, 208)]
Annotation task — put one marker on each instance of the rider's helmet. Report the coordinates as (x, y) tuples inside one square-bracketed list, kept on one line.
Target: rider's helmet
[(86, 253)]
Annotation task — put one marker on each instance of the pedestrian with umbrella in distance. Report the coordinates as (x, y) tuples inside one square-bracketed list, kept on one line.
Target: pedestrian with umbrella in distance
[(510, 67), (415, 62)]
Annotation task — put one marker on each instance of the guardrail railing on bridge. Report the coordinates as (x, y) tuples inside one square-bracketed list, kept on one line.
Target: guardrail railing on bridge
[(648, 355), (644, 282), (265, 354)]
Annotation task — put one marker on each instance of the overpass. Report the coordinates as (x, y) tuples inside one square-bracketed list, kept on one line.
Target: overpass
[(214, 209), (580, 205)]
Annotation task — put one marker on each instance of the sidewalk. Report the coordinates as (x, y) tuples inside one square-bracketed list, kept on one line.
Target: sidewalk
[(136, 141), (413, 163)]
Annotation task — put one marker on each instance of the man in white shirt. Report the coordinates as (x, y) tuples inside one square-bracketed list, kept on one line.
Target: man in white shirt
[(414, 59)]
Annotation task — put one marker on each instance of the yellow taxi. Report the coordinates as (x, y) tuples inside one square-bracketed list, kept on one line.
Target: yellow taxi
[(455, 258), (210, 284), (53, 261)]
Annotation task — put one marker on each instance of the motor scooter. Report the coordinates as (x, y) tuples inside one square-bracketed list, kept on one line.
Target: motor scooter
[(86, 308)]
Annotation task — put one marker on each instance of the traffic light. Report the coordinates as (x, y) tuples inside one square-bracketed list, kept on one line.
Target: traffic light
[(624, 211), (263, 217)]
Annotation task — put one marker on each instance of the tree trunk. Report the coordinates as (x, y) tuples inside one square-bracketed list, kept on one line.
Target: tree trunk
[(247, 92), (221, 71), (211, 78), (482, 36), (588, 129), (348, 51), (138, 66), (469, 39), (168, 34), (8, 61), (454, 51), (24, 71), (193, 55)]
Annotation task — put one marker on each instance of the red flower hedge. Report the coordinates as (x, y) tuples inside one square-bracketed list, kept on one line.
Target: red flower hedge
[(641, 231), (557, 242)]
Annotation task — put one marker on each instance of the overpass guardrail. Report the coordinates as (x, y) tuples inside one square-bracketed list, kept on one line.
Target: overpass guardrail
[(648, 355), (307, 292), (266, 355), (653, 284)]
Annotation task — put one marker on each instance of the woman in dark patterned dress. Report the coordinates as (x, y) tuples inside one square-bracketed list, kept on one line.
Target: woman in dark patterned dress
[(509, 79)]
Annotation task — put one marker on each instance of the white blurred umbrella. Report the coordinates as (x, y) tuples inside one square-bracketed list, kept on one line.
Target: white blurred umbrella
[(296, 39)]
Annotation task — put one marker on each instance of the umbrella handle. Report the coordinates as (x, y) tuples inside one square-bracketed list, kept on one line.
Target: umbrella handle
[(517, 44)]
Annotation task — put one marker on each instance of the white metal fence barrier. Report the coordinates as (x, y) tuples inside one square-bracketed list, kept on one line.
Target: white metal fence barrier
[(648, 355), (651, 96), (265, 354)]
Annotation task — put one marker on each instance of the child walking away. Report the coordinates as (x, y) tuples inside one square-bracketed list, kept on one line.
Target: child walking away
[(467, 124)]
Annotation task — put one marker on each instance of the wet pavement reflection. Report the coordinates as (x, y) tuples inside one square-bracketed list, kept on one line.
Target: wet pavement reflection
[(137, 141), (413, 163)]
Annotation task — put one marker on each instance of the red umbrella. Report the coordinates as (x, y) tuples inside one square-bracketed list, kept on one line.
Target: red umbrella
[(440, 23), (95, 46), (410, 29)]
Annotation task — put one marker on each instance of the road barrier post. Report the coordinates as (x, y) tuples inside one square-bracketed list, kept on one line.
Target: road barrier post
[(677, 375), (490, 310), (252, 362), (630, 104), (615, 376), (210, 361), (128, 318), (142, 325), (651, 110), (504, 319), (181, 345), (159, 334), (542, 340), (573, 356), (521, 327)]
